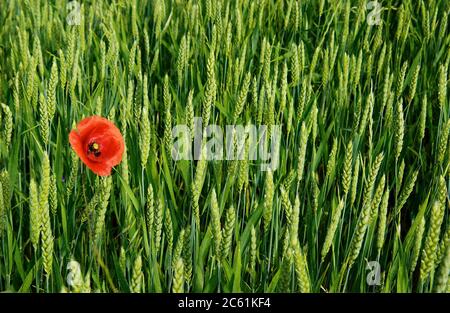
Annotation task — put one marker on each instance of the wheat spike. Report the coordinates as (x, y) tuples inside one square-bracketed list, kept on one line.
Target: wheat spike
[(51, 90), (137, 276), (286, 203), (46, 231), (253, 247), (347, 169), (301, 270), (442, 87), (190, 113), (331, 164), (382, 221), (378, 194), (406, 191), (53, 194), (227, 232), (211, 89), (105, 192), (428, 257), (399, 129), (144, 138), (413, 84), (215, 223), (187, 255), (364, 216), (35, 216), (168, 230), (178, 248), (268, 200), (150, 210), (443, 141), (302, 151), (423, 118), (293, 231), (335, 218), (178, 277), (418, 235)]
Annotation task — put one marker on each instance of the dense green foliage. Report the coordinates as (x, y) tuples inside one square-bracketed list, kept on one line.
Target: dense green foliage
[(364, 157)]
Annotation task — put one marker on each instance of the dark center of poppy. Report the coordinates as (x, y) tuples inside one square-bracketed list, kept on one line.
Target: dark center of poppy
[(94, 148)]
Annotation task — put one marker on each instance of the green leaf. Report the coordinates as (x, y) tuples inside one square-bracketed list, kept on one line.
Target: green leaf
[(237, 269)]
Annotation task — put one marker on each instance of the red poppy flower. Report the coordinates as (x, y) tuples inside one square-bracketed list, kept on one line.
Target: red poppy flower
[(98, 143)]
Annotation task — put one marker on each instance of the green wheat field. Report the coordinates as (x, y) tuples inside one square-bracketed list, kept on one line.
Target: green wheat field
[(358, 203)]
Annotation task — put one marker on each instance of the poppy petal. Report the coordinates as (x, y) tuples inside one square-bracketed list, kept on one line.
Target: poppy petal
[(109, 139)]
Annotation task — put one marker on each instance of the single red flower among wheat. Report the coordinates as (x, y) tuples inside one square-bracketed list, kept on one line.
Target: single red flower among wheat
[(98, 143)]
